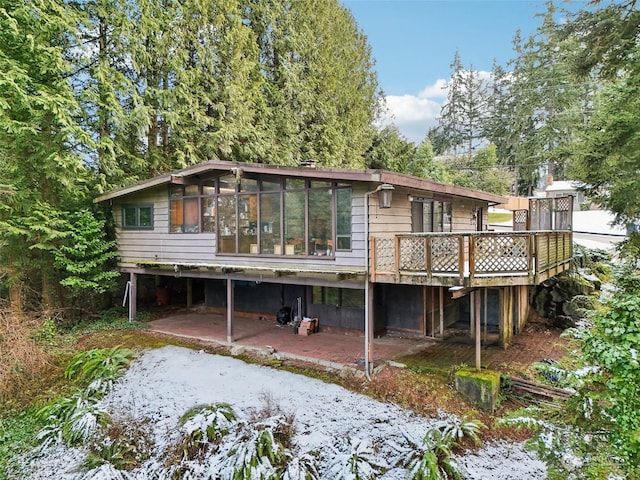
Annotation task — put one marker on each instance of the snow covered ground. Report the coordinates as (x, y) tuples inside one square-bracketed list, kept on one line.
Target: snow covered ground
[(330, 422)]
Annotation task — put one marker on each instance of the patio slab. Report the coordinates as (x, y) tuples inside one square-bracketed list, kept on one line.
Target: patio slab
[(337, 350), (320, 347)]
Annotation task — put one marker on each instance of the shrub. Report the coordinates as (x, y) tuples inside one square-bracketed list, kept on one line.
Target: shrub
[(98, 368), (430, 458), (124, 446), (71, 420)]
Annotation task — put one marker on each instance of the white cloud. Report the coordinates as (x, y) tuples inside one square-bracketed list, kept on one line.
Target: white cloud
[(437, 90), (414, 115)]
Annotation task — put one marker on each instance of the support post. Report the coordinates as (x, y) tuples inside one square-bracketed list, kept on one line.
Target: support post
[(189, 292), (441, 312), (133, 296), (486, 312), (472, 315), (476, 300), (229, 310)]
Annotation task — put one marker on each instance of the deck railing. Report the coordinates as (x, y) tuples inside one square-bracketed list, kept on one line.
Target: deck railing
[(470, 258)]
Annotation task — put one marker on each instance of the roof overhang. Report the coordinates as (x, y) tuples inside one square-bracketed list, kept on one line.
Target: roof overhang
[(329, 174)]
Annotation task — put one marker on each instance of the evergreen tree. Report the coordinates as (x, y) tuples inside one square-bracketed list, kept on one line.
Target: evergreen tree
[(462, 115), (424, 165), (38, 132), (546, 108), (390, 150)]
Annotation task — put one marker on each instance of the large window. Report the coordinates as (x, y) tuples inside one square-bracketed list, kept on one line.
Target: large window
[(265, 215), (184, 209), (137, 217), (430, 216)]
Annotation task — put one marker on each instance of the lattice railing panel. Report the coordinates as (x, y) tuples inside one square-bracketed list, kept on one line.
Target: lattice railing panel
[(413, 254), (503, 253), (563, 204), (445, 254), (385, 260)]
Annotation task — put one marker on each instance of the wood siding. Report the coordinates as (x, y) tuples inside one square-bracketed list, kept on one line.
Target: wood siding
[(158, 245)]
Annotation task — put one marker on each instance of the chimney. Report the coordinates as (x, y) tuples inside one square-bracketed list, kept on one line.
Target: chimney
[(549, 180)]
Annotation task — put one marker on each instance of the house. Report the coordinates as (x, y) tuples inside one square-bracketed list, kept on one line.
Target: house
[(566, 188), (246, 239)]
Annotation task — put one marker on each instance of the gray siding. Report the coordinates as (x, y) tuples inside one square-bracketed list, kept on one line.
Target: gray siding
[(199, 248)]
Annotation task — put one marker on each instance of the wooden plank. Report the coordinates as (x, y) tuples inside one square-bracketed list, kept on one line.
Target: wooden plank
[(538, 389)]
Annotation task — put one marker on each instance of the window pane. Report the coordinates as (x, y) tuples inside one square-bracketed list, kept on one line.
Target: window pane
[(446, 217), (417, 222), (228, 184), (352, 298), (294, 222), (320, 231), (175, 224), (317, 295), (331, 296), (427, 217), (227, 222), (317, 184), (248, 185), (343, 220), (208, 214), (437, 216), (191, 190), (145, 217), (294, 183), (269, 185), (270, 223), (191, 215), (175, 191), (248, 223), (129, 217)]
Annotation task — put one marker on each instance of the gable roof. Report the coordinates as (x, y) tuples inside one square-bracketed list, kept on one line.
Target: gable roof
[(335, 174)]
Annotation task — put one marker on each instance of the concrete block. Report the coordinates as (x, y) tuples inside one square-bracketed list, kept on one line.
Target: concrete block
[(479, 387)]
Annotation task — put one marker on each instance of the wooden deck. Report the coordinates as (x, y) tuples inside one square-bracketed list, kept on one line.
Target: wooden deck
[(470, 259)]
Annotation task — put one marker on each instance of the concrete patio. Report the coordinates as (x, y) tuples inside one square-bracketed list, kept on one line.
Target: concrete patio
[(337, 350), (329, 349)]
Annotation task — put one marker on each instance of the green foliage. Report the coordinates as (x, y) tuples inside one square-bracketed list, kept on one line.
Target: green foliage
[(75, 418), (46, 332), (597, 434), (18, 432), (72, 420), (124, 446), (98, 365), (204, 427), (423, 163), (431, 457), (390, 150), (111, 319), (354, 460), (85, 256), (482, 173)]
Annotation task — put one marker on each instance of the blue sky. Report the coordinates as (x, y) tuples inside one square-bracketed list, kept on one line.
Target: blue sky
[(414, 41)]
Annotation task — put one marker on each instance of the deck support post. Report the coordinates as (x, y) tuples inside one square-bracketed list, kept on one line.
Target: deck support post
[(229, 310), (441, 301), (475, 298), (133, 296), (189, 292)]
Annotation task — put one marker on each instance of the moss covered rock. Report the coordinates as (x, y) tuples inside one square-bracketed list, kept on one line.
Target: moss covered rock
[(481, 387)]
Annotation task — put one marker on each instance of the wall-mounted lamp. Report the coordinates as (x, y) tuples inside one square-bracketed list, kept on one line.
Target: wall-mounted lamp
[(385, 192)]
